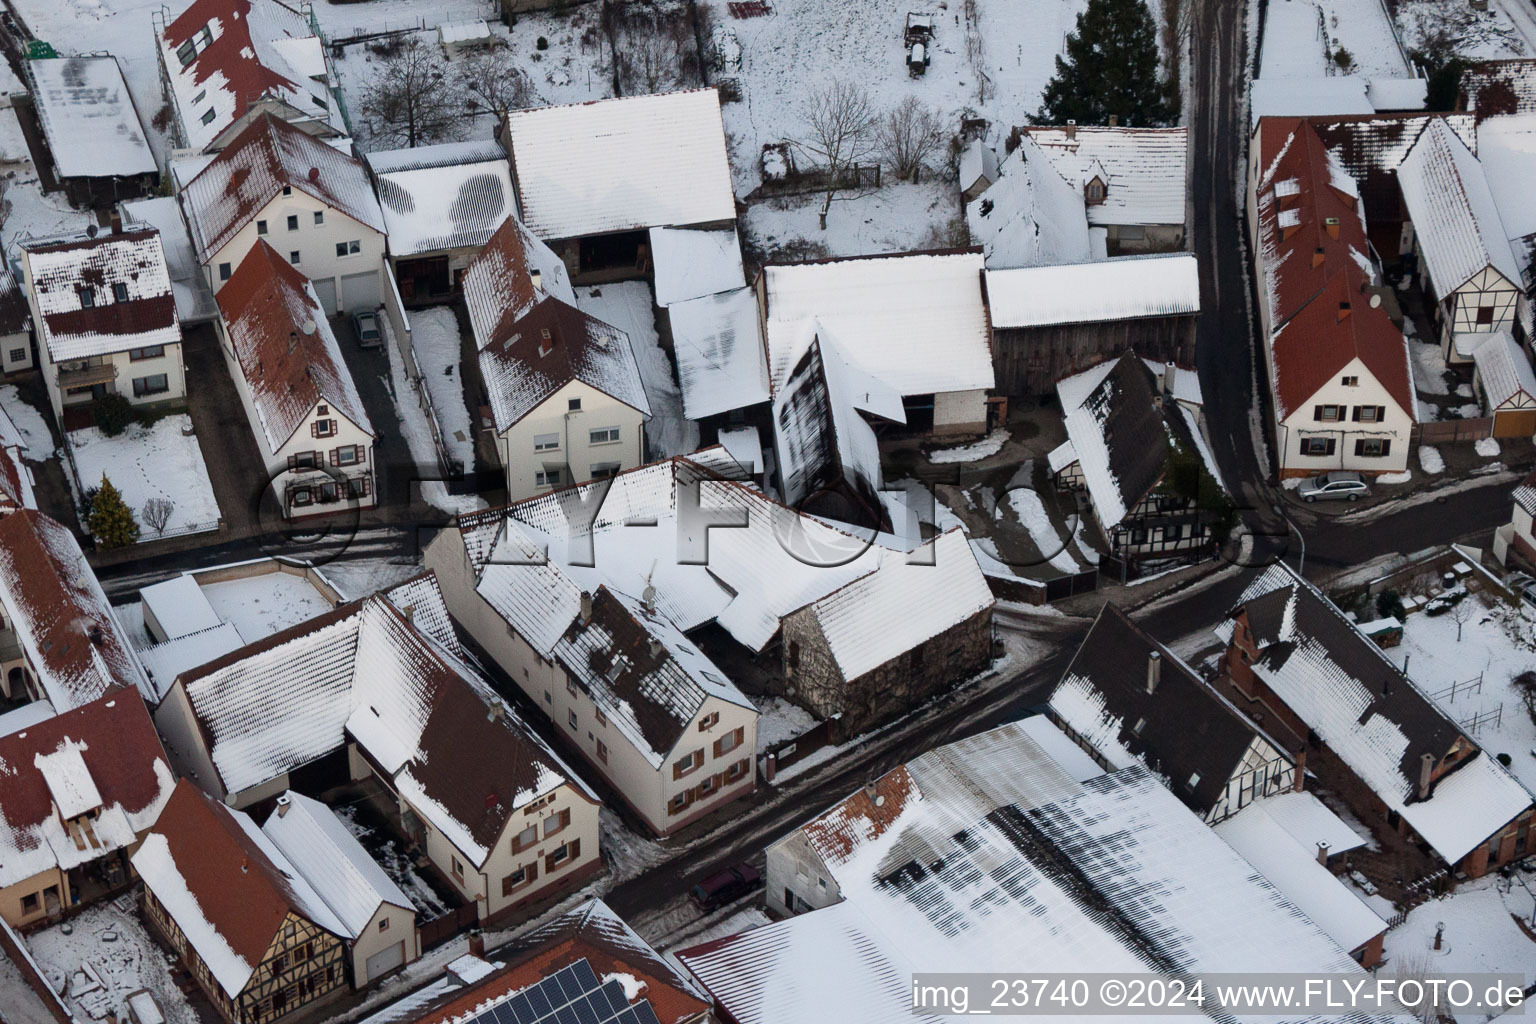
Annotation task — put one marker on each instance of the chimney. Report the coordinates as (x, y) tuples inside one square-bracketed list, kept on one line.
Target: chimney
[(1317, 257), (546, 342), (476, 942), (586, 607), (409, 613), (1299, 779), (1332, 226), (115, 221), (245, 865), (283, 803), (1154, 670), (1426, 769), (496, 712), (1071, 129), (536, 278), (656, 648), (314, 174), (1343, 312), (1322, 852), (1170, 375)]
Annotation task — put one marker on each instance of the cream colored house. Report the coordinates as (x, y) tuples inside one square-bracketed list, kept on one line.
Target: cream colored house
[(105, 318), (499, 816), (299, 396), (312, 203)]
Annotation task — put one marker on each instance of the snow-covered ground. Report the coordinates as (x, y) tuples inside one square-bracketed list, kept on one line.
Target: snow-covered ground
[(435, 340), (418, 434), (124, 963), (1480, 35), (1487, 447), (627, 852), (780, 721), (1365, 30), (1031, 513), (157, 461), (34, 429), (628, 306), (974, 452), (1480, 934), (1496, 643), (1430, 460), (896, 218)]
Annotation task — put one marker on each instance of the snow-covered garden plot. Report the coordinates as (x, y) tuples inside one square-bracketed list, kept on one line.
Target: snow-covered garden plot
[(896, 218), (1360, 28), (1471, 679), (435, 340), (1480, 933), (1479, 35), (34, 429), (996, 67), (627, 305), (157, 461), (262, 605), (105, 955)]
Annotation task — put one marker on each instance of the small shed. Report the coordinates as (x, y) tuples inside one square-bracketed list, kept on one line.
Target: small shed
[(460, 35), (978, 169), (97, 143), (1502, 377)]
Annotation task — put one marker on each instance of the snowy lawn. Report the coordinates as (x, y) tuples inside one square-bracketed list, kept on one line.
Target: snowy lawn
[(1364, 29), (1430, 460), (974, 452), (435, 340), (1496, 643), (1480, 933), (627, 305), (1031, 513), (262, 605), (780, 721), (158, 461), (121, 955), (33, 427), (897, 218), (1480, 35)]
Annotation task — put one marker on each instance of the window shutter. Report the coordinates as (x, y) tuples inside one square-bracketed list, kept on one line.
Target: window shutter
[(367, 486), (362, 454), (1386, 447), (1332, 444), (677, 769), (533, 871), (1317, 412), (1355, 415), (335, 456), (739, 735), (1360, 447), (1381, 413), (717, 746), (575, 848), (565, 817), (293, 462)]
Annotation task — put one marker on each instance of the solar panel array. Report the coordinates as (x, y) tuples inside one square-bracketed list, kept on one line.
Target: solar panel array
[(572, 995)]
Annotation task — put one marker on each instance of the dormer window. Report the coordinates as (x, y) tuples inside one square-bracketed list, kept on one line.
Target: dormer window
[(1094, 190), (87, 298)]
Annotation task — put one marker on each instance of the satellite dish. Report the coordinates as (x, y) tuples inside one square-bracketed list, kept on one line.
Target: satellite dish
[(1375, 301), (308, 327)]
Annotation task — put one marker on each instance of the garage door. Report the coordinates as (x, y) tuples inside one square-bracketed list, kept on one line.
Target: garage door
[(325, 289), (360, 291), (1515, 423), (385, 960)]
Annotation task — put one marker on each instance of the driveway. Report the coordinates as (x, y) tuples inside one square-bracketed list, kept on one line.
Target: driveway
[(394, 469), (235, 464)]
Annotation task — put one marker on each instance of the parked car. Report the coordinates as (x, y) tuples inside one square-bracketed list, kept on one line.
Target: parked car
[(726, 886), (366, 326), (1334, 486), (1523, 587)]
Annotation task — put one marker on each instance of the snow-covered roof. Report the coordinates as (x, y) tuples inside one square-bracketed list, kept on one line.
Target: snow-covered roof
[(1456, 221), (1142, 169), (189, 284), (73, 283), (1164, 284), (25, 716), (719, 347), (1392, 94), (1308, 821), (621, 164), (916, 321), (1506, 147), (330, 858), (62, 619), (1310, 97), (642, 673), (363, 672), (778, 562), (1030, 215), (1345, 689), (452, 200), (267, 156), (88, 117), (508, 277), (165, 661), (1504, 370), (1295, 871), (978, 162), (691, 263), (103, 756), (549, 347), (245, 51), (179, 606), (744, 446), (283, 342)]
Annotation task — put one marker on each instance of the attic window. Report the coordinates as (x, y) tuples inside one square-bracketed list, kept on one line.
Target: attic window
[(119, 292), (1094, 191), (208, 116), (1141, 723), (87, 298), (620, 665)]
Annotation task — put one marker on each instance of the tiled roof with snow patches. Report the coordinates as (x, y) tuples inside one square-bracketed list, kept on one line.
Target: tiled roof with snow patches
[(77, 284)]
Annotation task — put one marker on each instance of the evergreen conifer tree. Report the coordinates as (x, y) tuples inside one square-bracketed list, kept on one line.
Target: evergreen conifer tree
[(111, 520), (1110, 68)]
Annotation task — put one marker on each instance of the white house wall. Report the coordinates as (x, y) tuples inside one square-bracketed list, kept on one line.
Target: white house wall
[(522, 463), (958, 412), (1396, 426), (400, 927)]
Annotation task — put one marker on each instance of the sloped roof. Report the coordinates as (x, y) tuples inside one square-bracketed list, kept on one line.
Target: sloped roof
[(454, 198), (591, 932), (641, 672), (259, 48), (1525, 495), (1030, 215), (283, 342), (61, 616), (690, 263), (916, 321), (550, 346), (189, 283), (621, 164), (14, 315), (1371, 147), (1145, 169), (61, 270), (1182, 730), (267, 156), (113, 740), (1496, 87), (1308, 97), (498, 283), (1341, 685), (1456, 221), (330, 858), (87, 113), (1126, 288), (718, 342), (1504, 370), (224, 884)]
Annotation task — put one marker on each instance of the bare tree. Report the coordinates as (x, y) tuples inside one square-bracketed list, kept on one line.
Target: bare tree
[(648, 61), (493, 81), (908, 134), (412, 100), (157, 513), (839, 135), (1461, 611)]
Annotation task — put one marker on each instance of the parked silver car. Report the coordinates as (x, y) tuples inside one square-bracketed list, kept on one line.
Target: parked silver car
[(1334, 486), (366, 326)]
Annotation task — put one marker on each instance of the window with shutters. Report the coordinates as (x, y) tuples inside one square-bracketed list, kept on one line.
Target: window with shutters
[(301, 496), (687, 764), (359, 487), (709, 721), (602, 719), (556, 823), (323, 428), (709, 786), (514, 880), (737, 770), (303, 460), (680, 802), (1350, 382), (1369, 413), (347, 456), (329, 492), (730, 741), (1327, 413), (562, 855), (1373, 447), (1317, 446)]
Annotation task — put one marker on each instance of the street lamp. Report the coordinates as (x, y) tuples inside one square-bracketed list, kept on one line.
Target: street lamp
[(1301, 562)]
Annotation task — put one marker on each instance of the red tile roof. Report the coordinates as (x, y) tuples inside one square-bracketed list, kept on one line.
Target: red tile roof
[(267, 306), (11, 470), (61, 270)]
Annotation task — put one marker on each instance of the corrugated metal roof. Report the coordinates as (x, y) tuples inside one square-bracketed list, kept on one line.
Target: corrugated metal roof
[(88, 116), (1145, 169), (444, 205), (1503, 369), (1166, 284), (621, 164)]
